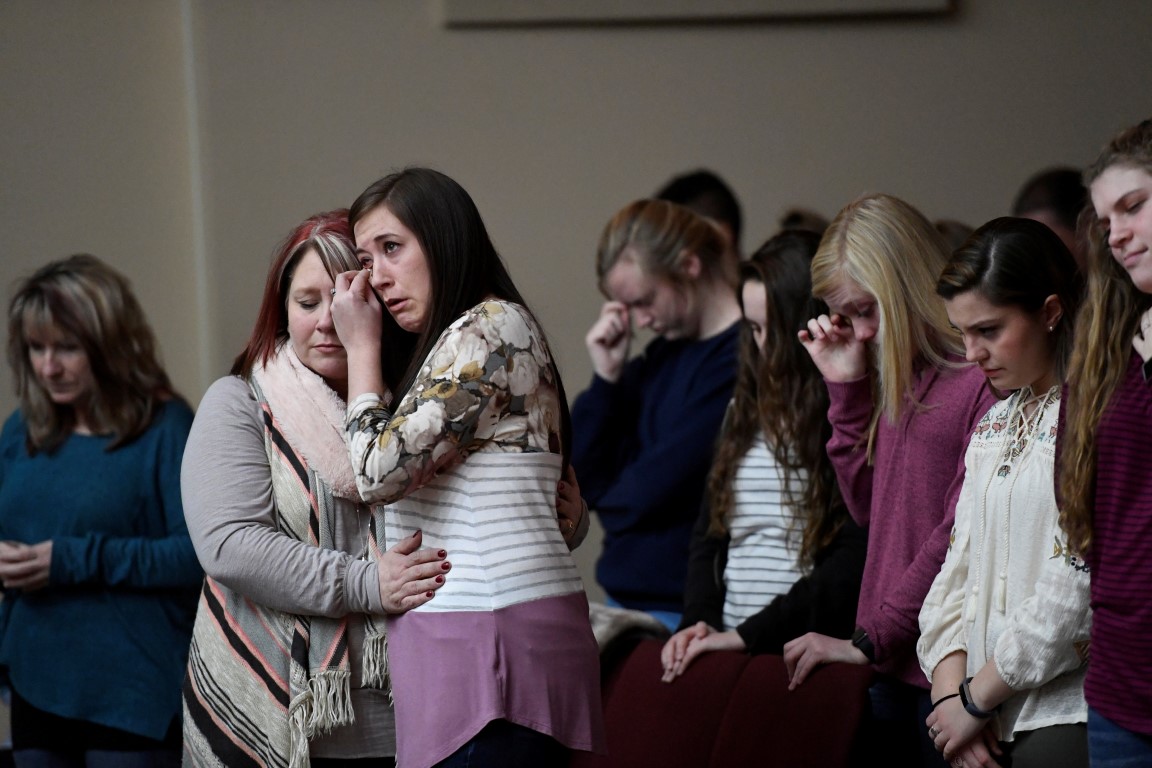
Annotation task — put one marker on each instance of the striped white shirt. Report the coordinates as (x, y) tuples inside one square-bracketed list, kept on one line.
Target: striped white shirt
[(762, 553)]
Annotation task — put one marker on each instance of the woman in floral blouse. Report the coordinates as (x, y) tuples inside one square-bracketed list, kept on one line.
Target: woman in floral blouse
[(469, 450)]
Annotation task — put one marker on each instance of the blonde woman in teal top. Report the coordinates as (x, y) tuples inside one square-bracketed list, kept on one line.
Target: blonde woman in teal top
[(99, 575)]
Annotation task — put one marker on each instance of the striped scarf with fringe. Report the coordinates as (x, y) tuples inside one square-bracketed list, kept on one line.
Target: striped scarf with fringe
[(261, 683)]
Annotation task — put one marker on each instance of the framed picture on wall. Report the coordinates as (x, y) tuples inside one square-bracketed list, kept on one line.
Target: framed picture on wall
[(461, 13)]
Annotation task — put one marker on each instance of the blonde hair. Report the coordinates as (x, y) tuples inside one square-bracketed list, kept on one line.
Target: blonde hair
[(1102, 347), (890, 250), (660, 236), (83, 297)]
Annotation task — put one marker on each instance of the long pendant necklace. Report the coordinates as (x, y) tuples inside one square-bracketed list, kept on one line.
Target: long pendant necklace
[(1022, 427)]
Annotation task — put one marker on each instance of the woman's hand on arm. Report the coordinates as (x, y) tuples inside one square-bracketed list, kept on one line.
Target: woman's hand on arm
[(684, 646), (834, 349), (948, 723), (571, 510), (409, 576), (25, 566)]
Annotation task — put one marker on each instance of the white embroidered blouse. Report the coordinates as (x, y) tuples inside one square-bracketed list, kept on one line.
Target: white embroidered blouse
[(1009, 588)]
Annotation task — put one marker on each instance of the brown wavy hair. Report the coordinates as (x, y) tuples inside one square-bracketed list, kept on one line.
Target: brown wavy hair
[(782, 395), (1102, 346), (86, 299)]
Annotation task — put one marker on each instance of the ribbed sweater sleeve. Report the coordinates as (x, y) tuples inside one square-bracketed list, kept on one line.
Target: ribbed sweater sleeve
[(158, 559), (906, 498), (850, 412), (895, 627)]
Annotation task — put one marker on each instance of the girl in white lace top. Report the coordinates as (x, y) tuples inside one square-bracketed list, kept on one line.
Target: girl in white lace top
[(1005, 624)]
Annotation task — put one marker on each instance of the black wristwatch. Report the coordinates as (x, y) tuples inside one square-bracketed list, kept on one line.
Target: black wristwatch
[(970, 707), (861, 640)]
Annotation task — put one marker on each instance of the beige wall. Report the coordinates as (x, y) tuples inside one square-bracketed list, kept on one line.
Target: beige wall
[(94, 139), (180, 139)]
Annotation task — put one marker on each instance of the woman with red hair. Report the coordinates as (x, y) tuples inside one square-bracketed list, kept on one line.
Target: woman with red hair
[(287, 665), (288, 662)]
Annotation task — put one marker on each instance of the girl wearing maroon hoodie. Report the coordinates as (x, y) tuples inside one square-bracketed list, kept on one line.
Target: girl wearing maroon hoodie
[(903, 404)]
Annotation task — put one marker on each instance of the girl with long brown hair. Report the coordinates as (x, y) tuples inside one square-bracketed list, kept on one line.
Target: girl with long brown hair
[(1004, 626), (774, 553), (1105, 484), (468, 450)]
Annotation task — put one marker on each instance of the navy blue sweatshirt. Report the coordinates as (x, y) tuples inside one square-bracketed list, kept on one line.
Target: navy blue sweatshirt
[(642, 448)]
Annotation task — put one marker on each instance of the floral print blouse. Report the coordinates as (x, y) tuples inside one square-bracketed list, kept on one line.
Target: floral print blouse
[(489, 384)]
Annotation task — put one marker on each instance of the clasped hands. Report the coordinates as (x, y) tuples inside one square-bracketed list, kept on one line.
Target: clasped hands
[(962, 739), (25, 566)]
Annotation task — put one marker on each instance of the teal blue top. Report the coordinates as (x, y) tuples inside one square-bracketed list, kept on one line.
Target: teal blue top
[(107, 640)]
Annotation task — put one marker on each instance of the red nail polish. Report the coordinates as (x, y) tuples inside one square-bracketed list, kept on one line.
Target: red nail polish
[(429, 593), (442, 553), (439, 579), (445, 565)]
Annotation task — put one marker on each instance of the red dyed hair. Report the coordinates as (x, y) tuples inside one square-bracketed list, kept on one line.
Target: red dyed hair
[(330, 235)]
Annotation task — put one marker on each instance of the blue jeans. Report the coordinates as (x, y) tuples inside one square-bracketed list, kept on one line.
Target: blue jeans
[(502, 744), (896, 729), (43, 740), (1113, 746)]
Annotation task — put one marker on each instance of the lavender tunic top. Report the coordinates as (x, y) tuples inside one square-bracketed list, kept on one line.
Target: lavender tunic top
[(471, 457)]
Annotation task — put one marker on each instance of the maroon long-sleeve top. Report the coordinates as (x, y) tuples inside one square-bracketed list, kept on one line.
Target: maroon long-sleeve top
[(1119, 681), (906, 498)]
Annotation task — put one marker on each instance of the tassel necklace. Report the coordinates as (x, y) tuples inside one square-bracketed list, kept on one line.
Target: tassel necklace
[(1022, 425)]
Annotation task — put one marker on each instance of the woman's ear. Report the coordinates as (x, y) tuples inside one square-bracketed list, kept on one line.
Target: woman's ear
[(1051, 312), (690, 266)]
